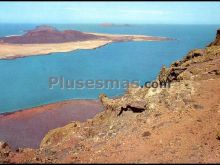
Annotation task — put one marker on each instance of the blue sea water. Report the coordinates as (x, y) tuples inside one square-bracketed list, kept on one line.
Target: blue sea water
[(24, 81)]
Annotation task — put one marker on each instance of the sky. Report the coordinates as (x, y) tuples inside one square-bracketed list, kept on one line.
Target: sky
[(111, 12)]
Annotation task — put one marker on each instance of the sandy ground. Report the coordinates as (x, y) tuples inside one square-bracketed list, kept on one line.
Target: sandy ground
[(27, 128), (10, 51), (130, 37)]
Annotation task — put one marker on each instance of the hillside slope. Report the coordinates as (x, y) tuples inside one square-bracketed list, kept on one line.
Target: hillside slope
[(47, 34)]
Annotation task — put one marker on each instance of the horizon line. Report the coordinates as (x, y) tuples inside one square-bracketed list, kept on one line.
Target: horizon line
[(109, 23)]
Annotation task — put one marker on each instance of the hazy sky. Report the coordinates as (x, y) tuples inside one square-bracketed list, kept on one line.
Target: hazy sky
[(113, 12)]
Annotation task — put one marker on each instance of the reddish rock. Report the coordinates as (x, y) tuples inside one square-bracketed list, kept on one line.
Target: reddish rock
[(47, 34)]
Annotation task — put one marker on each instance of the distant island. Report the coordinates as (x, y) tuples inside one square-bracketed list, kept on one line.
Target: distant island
[(47, 39), (114, 25)]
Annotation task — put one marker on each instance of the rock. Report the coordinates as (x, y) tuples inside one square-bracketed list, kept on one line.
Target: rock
[(163, 75), (194, 53), (189, 58), (215, 71), (176, 64), (4, 152), (138, 104), (102, 96), (3, 145), (146, 134), (217, 39), (170, 74), (197, 106), (218, 136), (199, 120)]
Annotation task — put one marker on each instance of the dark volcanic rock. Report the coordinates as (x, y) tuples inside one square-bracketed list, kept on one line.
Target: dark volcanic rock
[(47, 34), (170, 74), (217, 39)]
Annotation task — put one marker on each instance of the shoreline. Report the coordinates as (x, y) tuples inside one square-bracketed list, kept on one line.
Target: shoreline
[(42, 105), (27, 127), (12, 51)]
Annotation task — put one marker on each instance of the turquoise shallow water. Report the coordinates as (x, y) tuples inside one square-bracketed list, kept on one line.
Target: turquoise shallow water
[(24, 81)]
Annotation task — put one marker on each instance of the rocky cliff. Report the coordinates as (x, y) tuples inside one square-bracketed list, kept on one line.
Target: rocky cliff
[(179, 124), (216, 42)]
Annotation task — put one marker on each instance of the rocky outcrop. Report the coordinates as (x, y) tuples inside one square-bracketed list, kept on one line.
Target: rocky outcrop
[(175, 71), (187, 68), (216, 42), (189, 58), (4, 152), (170, 74)]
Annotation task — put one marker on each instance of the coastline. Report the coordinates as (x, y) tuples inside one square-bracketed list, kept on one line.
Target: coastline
[(2, 114), (26, 128), (12, 51)]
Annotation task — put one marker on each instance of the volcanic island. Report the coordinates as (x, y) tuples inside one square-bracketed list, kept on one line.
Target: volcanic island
[(46, 40)]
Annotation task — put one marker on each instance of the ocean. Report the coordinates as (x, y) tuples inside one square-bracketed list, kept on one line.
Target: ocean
[(24, 81)]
